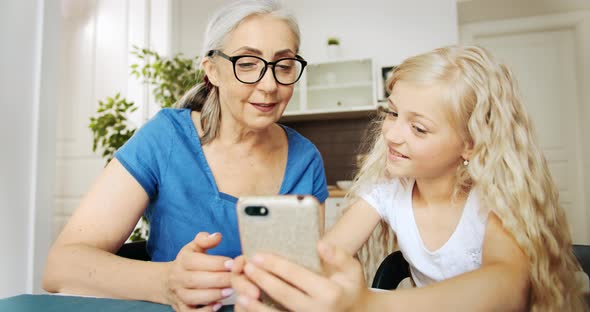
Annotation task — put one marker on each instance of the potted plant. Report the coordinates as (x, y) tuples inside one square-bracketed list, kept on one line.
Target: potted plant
[(333, 47), (170, 78)]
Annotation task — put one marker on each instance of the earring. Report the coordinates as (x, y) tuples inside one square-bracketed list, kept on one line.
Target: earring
[(466, 162)]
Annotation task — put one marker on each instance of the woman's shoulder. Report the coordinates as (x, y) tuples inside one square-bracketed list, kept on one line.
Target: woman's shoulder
[(298, 142), (168, 115), (170, 120)]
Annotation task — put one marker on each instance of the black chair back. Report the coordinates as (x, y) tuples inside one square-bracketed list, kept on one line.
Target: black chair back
[(394, 268), (582, 252), (391, 271), (135, 251)]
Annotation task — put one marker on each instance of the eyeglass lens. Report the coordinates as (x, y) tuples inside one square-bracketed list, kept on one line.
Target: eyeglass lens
[(250, 70)]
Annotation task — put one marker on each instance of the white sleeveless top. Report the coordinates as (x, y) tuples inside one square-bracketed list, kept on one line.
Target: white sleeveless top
[(460, 254)]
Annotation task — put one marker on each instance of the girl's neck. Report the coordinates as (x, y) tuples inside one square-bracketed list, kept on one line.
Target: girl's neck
[(435, 192)]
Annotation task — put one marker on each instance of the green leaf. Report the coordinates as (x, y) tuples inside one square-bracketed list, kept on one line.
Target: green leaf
[(168, 79)]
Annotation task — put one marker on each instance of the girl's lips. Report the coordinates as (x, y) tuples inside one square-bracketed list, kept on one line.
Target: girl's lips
[(393, 154)]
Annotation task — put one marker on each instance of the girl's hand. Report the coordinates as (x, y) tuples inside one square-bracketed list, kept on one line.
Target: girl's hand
[(241, 284), (196, 281), (298, 289)]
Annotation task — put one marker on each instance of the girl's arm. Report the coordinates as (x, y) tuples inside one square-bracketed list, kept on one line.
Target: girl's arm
[(353, 229), (501, 284)]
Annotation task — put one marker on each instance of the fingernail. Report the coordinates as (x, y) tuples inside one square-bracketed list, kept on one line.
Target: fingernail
[(228, 264), (248, 268), (213, 235), (226, 292), (258, 259), (243, 300), (217, 306)]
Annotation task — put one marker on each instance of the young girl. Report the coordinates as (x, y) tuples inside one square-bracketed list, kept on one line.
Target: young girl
[(456, 172)]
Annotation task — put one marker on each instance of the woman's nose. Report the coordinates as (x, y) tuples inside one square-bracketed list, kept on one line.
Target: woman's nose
[(267, 83)]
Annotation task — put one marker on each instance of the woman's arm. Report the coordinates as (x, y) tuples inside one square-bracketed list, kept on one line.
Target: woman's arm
[(81, 261), (501, 284)]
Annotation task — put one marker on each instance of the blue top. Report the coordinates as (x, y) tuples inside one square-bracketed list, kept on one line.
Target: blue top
[(166, 157)]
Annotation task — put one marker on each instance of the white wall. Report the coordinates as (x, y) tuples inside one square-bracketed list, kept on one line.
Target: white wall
[(492, 10), (27, 99), (583, 55), (97, 36), (94, 53), (389, 30)]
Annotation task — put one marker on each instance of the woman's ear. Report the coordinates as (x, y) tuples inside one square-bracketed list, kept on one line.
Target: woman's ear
[(210, 69)]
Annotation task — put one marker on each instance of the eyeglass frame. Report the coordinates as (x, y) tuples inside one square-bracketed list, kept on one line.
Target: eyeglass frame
[(234, 59)]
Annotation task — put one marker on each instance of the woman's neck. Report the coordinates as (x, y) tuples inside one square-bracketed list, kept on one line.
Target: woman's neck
[(233, 135)]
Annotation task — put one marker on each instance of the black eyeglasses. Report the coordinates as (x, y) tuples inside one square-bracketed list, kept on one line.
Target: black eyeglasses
[(250, 69)]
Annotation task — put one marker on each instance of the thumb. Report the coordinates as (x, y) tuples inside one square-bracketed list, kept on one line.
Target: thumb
[(204, 241)]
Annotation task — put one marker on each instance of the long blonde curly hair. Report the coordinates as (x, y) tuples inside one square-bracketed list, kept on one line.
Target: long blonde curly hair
[(507, 168)]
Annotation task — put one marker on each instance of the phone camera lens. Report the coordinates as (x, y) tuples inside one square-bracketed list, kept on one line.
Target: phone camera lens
[(256, 211)]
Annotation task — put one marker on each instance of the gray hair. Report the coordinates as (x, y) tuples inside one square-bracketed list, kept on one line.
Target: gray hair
[(204, 97)]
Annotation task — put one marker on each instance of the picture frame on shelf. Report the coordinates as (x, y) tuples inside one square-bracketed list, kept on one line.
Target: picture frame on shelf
[(386, 73)]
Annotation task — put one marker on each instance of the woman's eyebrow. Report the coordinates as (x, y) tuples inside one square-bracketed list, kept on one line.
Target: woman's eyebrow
[(258, 52), (248, 49), (285, 52)]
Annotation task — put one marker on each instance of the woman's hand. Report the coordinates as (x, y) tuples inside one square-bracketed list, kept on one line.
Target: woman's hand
[(196, 280), (298, 289)]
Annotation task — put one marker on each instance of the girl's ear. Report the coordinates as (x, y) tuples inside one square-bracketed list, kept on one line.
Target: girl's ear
[(467, 151), (210, 69)]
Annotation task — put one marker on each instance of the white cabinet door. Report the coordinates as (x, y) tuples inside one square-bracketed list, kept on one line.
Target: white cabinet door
[(334, 207)]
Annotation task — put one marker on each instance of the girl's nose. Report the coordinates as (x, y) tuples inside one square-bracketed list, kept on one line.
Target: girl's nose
[(393, 132)]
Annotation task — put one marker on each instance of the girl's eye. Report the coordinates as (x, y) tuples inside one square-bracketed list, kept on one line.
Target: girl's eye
[(419, 130), (388, 112)]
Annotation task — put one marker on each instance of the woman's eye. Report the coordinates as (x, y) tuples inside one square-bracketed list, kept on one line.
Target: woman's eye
[(246, 65), (284, 68)]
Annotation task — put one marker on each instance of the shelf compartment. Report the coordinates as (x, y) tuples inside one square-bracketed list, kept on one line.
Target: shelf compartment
[(344, 98)]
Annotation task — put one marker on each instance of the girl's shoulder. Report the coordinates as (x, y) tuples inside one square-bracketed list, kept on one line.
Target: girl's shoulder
[(386, 189)]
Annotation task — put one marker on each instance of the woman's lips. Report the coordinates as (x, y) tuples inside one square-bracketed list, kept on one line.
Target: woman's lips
[(264, 107)]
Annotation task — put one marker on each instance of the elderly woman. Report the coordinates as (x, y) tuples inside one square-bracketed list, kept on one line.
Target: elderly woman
[(186, 167)]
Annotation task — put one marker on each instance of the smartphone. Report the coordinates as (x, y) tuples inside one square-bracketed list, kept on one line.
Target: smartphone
[(285, 225)]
